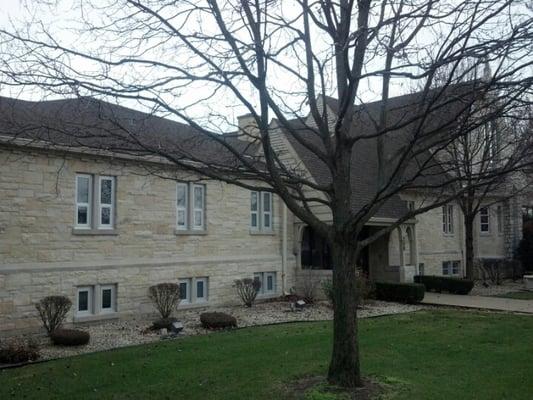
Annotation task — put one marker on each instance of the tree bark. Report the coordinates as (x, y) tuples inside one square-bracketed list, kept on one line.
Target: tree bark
[(344, 369), (469, 246)]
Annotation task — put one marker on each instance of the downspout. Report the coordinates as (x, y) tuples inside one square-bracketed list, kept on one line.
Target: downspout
[(283, 247)]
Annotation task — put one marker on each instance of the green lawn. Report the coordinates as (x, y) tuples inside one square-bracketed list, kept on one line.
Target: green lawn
[(522, 295), (431, 355)]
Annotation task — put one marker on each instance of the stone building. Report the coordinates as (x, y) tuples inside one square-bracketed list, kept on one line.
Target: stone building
[(79, 218)]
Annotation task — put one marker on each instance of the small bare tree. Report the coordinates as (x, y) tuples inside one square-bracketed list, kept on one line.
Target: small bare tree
[(247, 289), (53, 310), (166, 297)]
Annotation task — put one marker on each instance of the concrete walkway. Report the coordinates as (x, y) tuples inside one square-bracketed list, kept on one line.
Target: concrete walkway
[(481, 302)]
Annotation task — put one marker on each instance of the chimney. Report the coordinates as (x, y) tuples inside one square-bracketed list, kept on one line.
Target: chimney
[(248, 129)]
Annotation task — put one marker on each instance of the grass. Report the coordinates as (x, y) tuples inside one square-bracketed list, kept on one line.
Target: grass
[(522, 295), (432, 355)]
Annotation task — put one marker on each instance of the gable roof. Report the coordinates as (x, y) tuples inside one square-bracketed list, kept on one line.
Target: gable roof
[(446, 108), (90, 123)]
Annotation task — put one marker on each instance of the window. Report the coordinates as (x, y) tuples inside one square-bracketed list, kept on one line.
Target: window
[(83, 201), (190, 207), (484, 220), (261, 211), (267, 281), (108, 294), (96, 299), (447, 219), (499, 213), (85, 300), (98, 197), (193, 290), (451, 267)]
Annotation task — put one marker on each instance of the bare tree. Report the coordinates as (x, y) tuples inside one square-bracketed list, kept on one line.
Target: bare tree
[(280, 62)]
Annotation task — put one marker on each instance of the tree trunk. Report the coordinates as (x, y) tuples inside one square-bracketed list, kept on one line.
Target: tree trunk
[(469, 246), (344, 369)]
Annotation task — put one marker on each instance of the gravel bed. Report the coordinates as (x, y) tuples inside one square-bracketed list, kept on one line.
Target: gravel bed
[(494, 290), (116, 334)]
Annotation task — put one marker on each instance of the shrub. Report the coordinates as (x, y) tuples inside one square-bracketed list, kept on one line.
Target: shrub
[(69, 337), (217, 320), (309, 285), (163, 323), (247, 289), (327, 288), (52, 310), (400, 292), (166, 297), (16, 351), (447, 284)]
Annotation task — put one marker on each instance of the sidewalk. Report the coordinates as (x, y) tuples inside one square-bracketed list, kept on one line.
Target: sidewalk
[(482, 302)]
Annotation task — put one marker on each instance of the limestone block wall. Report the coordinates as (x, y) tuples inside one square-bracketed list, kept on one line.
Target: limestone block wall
[(434, 246), (41, 255)]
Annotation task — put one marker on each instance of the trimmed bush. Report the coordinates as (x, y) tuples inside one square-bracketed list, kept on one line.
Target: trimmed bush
[(52, 310), (166, 297), (445, 284), (69, 337), (247, 290), (163, 323), (217, 320), (410, 293), (16, 351)]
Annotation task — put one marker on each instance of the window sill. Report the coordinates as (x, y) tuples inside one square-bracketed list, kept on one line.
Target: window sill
[(96, 317), (179, 232), (262, 233), (94, 232)]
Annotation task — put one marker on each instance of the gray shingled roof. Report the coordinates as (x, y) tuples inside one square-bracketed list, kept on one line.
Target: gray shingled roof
[(364, 168), (91, 123)]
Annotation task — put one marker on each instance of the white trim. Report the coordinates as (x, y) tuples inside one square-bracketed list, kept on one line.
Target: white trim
[(113, 307), (198, 210), (481, 223), (106, 206), (254, 212), (184, 208), (266, 213), (205, 296), (90, 300), (187, 298), (87, 204)]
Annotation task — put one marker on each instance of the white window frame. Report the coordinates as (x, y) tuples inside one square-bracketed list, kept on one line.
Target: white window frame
[(182, 208), (456, 267), (254, 212), (90, 300), (484, 212), (451, 268), (83, 204), (447, 219), (260, 212), (188, 282), (110, 206), (205, 282), (263, 279), (113, 307), (195, 209)]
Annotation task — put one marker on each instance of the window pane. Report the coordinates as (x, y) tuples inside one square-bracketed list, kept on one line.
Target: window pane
[(83, 300), (198, 218), (106, 189), (200, 289), (106, 298), (82, 215), (198, 197), (266, 202), (253, 201), (181, 217), (106, 216), (183, 290), (83, 189), (182, 195), (254, 220), (266, 220), (270, 283)]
